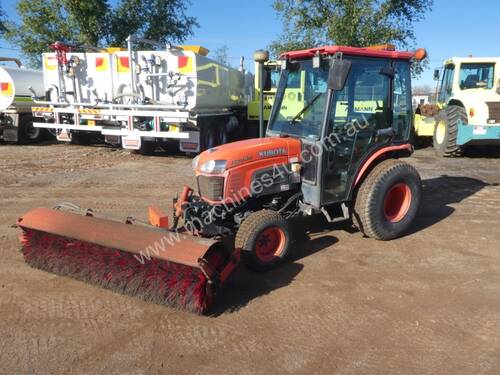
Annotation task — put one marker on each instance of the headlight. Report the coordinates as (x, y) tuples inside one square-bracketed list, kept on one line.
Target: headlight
[(214, 166), (194, 162)]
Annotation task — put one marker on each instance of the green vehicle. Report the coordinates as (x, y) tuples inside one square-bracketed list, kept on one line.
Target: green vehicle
[(293, 103)]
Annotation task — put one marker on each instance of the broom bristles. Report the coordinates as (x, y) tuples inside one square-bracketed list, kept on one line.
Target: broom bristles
[(156, 280)]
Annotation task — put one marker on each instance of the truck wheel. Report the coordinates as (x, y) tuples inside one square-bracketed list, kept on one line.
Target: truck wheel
[(446, 131), (27, 133), (265, 239), (82, 139), (388, 200), (209, 137), (222, 136), (147, 148)]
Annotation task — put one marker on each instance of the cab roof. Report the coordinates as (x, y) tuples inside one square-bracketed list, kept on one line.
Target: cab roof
[(376, 51)]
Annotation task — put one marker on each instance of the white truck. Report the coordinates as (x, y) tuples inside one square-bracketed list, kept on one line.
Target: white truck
[(142, 99), (16, 121)]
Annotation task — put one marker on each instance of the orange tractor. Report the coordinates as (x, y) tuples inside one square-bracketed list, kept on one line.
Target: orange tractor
[(338, 156)]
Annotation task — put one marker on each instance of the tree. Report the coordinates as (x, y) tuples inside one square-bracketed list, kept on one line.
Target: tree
[(3, 28), (96, 23), (159, 20), (358, 23), (221, 55)]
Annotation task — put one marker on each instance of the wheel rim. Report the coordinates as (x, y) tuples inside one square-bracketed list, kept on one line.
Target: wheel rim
[(397, 202), (440, 132), (270, 244), (32, 132)]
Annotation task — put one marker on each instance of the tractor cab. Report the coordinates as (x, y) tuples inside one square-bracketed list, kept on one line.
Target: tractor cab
[(356, 101)]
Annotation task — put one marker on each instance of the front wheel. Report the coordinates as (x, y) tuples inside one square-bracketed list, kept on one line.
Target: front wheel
[(388, 200), (446, 131), (264, 239)]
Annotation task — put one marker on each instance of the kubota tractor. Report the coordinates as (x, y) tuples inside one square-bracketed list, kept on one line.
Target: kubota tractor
[(337, 156)]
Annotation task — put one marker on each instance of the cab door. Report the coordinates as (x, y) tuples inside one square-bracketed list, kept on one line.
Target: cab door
[(446, 88), (360, 118)]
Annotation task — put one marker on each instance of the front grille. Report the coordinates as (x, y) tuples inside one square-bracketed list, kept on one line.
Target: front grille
[(494, 108), (211, 187)]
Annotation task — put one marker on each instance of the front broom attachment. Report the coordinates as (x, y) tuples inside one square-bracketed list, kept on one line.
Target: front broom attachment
[(157, 265)]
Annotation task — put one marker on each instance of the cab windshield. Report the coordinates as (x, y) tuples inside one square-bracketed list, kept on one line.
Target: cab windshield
[(300, 101)]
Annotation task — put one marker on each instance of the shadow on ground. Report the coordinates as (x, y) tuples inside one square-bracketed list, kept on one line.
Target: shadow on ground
[(485, 152), (441, 192), (472, 152), (246, 285)]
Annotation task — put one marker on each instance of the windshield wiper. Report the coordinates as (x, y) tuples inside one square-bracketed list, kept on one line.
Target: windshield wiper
[(303, 110)]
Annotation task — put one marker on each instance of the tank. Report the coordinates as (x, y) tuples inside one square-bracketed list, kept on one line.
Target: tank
[(88, 79), (14, 83), (175, 78)]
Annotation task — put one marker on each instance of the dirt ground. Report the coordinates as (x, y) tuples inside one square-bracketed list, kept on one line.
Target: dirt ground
[(428, 303)]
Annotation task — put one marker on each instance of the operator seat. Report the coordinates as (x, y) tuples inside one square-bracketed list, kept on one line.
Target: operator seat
[(471, 81)]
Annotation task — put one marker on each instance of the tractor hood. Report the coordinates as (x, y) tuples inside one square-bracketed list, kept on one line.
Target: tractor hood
[(249, 151)]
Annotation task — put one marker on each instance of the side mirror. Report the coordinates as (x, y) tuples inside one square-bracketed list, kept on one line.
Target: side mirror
[(437, 75), (337, 76), (498, 88)]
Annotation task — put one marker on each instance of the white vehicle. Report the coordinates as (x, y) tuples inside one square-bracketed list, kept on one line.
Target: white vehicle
[(142, 99), (16, 121), (467, 112)]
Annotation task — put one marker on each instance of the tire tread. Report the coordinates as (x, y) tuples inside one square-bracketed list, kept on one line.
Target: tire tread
[(365, 203)]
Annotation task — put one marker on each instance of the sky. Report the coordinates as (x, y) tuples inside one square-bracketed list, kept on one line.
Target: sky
[(452, 28)]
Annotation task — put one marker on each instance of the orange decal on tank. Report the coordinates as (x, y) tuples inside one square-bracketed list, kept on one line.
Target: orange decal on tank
[(101, 64), (6, 88), (185, 64), (123, 64)]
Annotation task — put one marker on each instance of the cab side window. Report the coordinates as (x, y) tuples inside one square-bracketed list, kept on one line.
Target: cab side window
[(365, 98), (402, 107)]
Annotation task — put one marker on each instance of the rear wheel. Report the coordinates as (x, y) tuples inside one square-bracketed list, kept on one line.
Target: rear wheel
[(388, 200), (222, 136), (446, 131), (147, 148), (208, 137), (27, 133), (81, 138), (265, 239)]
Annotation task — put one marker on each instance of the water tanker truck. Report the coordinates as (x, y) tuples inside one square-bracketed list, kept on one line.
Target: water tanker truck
[(142, 98), (16, 121)]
